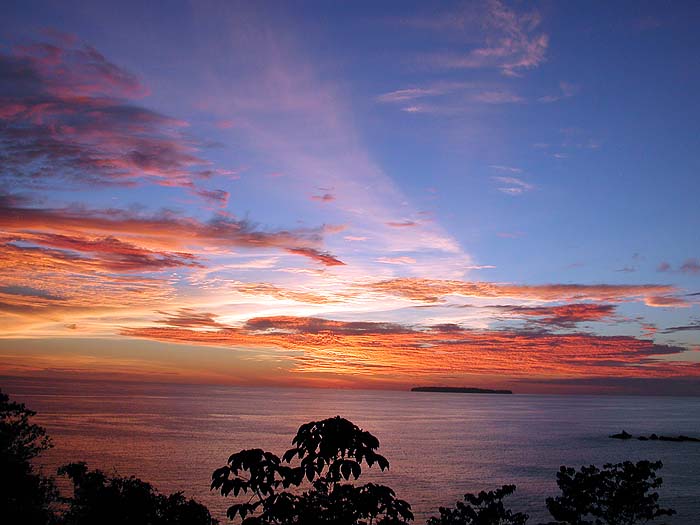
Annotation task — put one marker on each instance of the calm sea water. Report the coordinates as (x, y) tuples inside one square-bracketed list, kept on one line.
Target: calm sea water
[(439, 445)]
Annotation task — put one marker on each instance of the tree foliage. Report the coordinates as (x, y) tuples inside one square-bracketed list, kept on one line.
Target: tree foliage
[(619, 494), (26, 496), (324, 455), (98, 498), (486, 508)]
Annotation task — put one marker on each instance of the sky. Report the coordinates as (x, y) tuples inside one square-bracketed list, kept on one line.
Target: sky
[(352, 194)]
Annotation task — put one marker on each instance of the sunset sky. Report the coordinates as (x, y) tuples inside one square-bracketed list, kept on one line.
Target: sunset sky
[(352, 194)]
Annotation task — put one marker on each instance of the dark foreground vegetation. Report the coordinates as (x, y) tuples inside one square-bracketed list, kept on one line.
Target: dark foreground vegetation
[(313, 483)]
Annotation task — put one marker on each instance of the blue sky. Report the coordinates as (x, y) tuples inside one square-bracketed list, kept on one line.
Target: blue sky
[(336, 161)]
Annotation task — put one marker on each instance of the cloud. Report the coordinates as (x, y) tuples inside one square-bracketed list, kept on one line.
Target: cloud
[(510, 41), (29, 291), (691, 266), (323, 257), (498, 97), (97, 253), (280, 293), (402, 224), (69, 262), (405, 95), (508, 169), (566, 90), (694, 326), (67, 116), (667, 301), (663, 267), (512, 185), (434, 290), (190, 318), (326, 197), (218, 197), (396, 260), (564, 316), (379, 350), (164, 229)]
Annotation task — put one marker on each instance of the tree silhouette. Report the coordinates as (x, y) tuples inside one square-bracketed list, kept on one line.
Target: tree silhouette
[(26, 496), (98, 498), (619, 494), (328, 452), (484, 509)]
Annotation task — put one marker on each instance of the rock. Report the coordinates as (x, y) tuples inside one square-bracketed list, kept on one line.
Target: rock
[(622, 435)]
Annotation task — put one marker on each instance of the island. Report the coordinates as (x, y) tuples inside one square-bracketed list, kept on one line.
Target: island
[(459, 390), (654, 437)]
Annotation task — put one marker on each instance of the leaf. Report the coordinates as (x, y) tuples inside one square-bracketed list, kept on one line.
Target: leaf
[(356, 469)]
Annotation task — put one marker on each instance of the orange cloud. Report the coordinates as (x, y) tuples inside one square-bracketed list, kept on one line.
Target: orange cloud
[(433, 291), (566, 315), (393, 352), (165, 230), (283, 293)]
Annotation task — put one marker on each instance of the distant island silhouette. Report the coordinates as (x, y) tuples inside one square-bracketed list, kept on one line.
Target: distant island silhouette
[(654, 437), (459, 390)]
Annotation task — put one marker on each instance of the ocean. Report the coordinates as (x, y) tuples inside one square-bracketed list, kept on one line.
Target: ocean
[(439, 445)]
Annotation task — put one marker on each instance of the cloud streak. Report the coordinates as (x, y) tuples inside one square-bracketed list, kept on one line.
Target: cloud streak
[(434, 291)]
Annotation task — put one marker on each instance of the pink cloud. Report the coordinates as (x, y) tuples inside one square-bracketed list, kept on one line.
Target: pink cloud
[(691, 266), (511, 41), (326, 197), (68, 117), (402, 224), (396, 260)]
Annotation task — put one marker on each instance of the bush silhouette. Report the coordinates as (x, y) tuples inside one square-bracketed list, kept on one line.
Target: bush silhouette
[(25, 496), (328, 452), (484, 509), (619, 494), (98, 498)]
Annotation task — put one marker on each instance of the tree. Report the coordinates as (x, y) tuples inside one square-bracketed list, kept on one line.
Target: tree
[(328, 452), (484, 509), (98, 498), (25, 495), (619, 494)]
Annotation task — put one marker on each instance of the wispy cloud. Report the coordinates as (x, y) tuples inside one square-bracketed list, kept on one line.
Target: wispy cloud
[(566, 90), (511, 41), (512, 185), (433, 291), (396, 260), (402, 224), (508, 169), (498, 97)]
